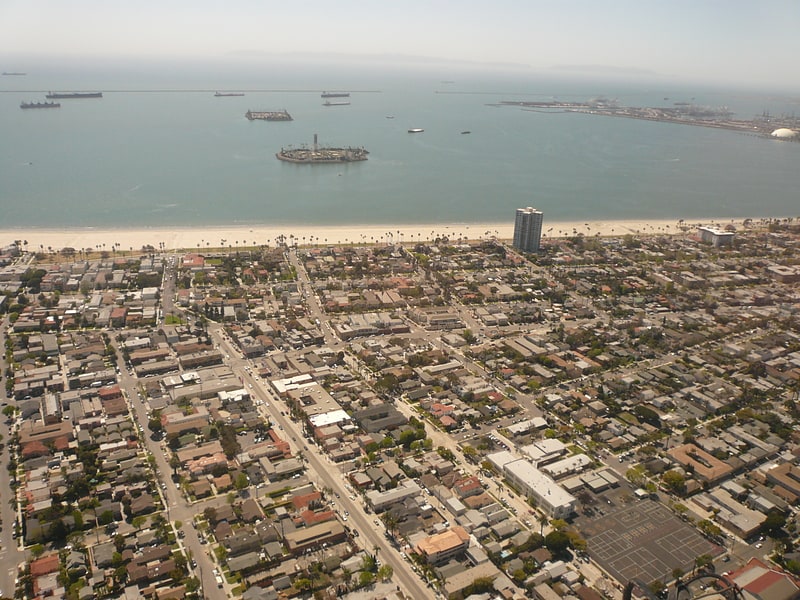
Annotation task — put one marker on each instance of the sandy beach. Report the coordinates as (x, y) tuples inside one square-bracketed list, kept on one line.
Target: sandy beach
[(172, 239)]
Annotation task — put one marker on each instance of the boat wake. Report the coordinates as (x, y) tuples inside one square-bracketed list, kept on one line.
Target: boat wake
[(158, 208)]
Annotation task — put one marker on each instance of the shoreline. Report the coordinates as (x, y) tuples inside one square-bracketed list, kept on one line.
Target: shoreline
[(241, 236)]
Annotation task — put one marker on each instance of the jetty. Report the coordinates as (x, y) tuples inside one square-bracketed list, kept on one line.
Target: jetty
[(321, 155), (268, 115)]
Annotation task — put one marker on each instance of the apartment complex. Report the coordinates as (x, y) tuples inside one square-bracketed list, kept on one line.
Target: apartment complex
[(528, 229)]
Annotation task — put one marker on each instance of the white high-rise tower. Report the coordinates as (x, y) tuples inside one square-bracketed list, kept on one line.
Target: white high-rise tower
[(528, 229)]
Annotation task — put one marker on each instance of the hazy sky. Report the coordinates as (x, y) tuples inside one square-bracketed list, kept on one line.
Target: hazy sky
[(741, 41)]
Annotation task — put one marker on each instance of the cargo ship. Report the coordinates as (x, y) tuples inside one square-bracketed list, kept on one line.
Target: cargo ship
[(69, 95), (317, 155), (222, 94), (40, 105), (335, 94), (268, 115), (329, 103)]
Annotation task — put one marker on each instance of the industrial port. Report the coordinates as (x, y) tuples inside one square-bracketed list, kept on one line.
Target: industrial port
[(684, 113)]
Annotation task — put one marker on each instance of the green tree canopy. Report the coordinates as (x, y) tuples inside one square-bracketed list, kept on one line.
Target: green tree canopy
[(385, 572), (241, 481), (365, 578), (774, 523), (675, 481), (557, 542)]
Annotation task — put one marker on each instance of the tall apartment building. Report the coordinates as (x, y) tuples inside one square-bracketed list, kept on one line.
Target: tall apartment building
[(528, 229), (715, 237)]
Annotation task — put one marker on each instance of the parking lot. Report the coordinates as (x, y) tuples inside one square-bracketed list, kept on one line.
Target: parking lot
[(641, 539)]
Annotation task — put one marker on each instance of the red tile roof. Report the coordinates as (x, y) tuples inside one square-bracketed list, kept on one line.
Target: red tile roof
[(45, 565), (303, 501)]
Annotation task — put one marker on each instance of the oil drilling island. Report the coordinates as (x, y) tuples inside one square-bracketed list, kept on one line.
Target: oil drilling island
[(321, 155), (268, 115)]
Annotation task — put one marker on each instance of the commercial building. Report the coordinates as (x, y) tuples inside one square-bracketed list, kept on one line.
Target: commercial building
[(528, 229), (550, 497), (534, 484)]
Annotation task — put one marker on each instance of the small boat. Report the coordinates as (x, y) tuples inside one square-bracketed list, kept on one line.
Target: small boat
[(224, 94), (335, 94), (329, 103), (465, 132), (415, 130), (390, 116)]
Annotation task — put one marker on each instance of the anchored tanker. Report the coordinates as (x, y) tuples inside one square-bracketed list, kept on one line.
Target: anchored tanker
[(70, 95)]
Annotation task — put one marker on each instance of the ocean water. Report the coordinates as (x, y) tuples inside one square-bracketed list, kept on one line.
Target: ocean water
[(160, 150)]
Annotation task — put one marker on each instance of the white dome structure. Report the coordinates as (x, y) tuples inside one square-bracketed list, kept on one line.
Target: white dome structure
[(784, 133)]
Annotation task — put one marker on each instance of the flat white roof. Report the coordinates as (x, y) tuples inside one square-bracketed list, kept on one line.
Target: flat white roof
[(292, 383), (545, 487), (329, 418), (502, 458)]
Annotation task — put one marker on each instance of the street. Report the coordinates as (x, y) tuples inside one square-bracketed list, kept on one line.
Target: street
[(10, 554)]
